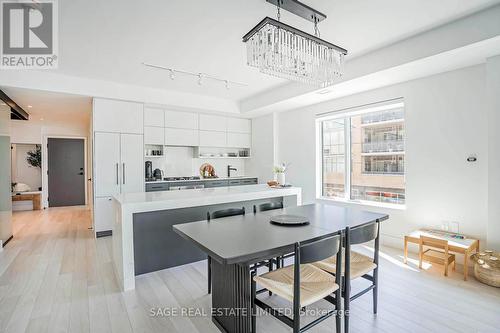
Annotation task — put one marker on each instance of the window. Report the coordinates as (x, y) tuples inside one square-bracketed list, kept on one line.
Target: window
[(362, 154)]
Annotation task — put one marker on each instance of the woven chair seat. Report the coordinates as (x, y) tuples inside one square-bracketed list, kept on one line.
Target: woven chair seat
[(360, 264), (315, 284)]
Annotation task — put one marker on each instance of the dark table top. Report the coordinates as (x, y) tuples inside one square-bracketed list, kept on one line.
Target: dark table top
[(251, 238)]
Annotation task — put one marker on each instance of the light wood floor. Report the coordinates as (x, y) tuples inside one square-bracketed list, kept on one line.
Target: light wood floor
[(55, 277)]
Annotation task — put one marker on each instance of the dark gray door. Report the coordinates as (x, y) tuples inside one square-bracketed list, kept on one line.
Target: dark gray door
[(66, 172)]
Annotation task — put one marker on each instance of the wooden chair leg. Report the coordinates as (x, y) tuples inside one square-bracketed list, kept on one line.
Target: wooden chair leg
[(454, 265), (446, 268), (209, 274)]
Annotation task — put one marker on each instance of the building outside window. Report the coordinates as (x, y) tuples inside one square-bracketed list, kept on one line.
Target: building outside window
[(372, 138)]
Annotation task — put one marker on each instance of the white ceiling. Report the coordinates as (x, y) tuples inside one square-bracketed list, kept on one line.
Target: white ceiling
[(50, 106), (108, 40)]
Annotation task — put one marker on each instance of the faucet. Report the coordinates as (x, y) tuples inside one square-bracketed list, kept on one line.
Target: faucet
[(229, 168)]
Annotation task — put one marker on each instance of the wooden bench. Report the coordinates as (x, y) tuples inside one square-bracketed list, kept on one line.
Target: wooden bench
[(465, 246), (35, 197)]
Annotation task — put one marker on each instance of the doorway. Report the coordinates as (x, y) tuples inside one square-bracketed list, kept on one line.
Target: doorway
[(66, 172)]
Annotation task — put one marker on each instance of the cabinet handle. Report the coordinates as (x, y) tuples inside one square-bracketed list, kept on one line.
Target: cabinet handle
[(123, 170), (117, 179)]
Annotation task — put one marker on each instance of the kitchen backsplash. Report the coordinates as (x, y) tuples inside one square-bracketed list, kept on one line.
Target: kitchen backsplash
[(179, 161)]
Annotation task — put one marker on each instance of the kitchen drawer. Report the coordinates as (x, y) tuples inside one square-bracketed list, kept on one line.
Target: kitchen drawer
[(249, 181), (243, 181), (153, 187), (103, 214), (216, 183), (234, 182)]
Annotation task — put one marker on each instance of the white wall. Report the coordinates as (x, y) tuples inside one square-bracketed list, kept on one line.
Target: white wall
[(36, 131), (493, 105), (263, 148), (445, 122)]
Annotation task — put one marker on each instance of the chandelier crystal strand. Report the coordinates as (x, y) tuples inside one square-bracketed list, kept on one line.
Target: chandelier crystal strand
[(282, 53)]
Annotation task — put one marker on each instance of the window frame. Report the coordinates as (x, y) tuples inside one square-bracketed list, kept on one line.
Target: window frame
[(347, 114)]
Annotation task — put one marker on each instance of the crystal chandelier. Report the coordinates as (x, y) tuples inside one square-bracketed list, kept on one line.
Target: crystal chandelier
[(287, 52)]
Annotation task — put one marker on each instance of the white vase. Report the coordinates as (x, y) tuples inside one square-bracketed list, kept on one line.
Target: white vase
[(280, 178)]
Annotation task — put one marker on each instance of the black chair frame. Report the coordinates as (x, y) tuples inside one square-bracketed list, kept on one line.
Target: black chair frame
[(359, 235), (306, 252)]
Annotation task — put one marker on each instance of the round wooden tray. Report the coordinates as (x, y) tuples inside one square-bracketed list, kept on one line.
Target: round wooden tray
[(487, 267)]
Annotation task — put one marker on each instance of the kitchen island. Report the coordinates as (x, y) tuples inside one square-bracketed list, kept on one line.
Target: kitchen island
[(143, 238)]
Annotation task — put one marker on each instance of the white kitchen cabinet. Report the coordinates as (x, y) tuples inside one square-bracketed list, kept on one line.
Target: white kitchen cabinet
[(213, 123), (154, 135), (132, 163), (212, 139), (181, 137), (118, 116), (118, 168), (177, 119), (106, 164), (239, 125), (154, 117), (238, 140), (103, 214)]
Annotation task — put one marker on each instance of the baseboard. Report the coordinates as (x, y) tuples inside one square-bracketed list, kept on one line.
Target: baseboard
[(8, 240), (105, 233)]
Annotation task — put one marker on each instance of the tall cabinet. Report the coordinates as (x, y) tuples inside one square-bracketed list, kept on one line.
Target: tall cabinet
[(118, 156)]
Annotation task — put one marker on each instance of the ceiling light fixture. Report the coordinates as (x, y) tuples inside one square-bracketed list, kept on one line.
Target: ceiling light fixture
[(199, 76), (284, 51), (30, 106)]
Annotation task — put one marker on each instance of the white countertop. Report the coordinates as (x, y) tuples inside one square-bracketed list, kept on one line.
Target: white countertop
[(126, 205), (198, 180), (151, 201)]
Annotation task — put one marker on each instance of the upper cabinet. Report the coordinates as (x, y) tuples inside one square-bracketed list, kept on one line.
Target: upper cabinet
[(118, 116), (213, 123), (238, 140), (239, 125), (154, 117), (178, 119), (154, 135)]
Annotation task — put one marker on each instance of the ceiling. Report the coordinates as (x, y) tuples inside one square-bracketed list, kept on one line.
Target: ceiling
[(50, 106), (108, 40)]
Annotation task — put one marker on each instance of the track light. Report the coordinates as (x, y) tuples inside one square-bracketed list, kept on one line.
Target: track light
[(199, 79), (172, 74), (226, 84)]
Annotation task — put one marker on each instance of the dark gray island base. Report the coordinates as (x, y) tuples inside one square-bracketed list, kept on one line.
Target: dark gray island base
[(252, 240), (157, 246)]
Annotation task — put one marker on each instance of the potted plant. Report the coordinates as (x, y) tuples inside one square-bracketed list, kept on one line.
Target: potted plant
[(279, 173), (34, 158)]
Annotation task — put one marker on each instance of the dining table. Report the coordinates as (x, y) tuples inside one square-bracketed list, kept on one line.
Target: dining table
[(236, 243)]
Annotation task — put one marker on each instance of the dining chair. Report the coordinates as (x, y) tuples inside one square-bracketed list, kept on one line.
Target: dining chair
[(216, 215), (356, 265), (302, 284), (437, 253), (272, 206)]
